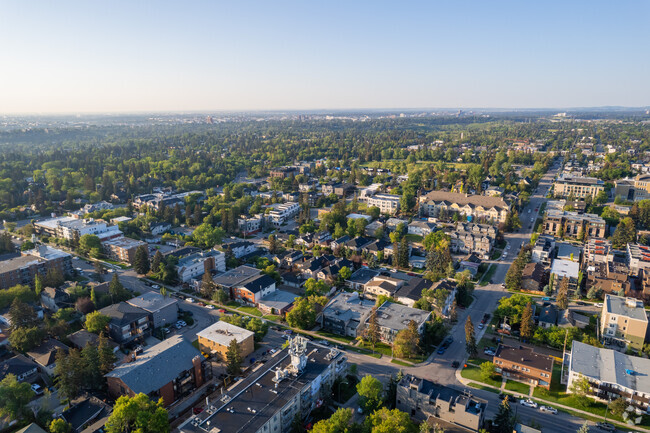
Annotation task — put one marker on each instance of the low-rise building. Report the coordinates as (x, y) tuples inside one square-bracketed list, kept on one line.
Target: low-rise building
[(215, 339), (561, 269), (277, 302), (476, 206), (572, 224), (246, 284), (638, 257), (76, 228), (20, 366), (240, 248), (281, 213), (473, 238), (387, 203), (169, 370), (392, 318), (624, 320), (382, 285), (122, 249), (533, 278), (127, 322), (38, 261), (611, 374), (163, 310), (249, 225), (346, 314), (577, 186), (421, 228), (523, 364), (195, 265), (423, 399), (45, 354)]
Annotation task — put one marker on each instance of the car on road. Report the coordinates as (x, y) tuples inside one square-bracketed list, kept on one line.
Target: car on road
[(221, 310), (455, 364), (166, 331), (181, 323), (481, 326), (190, 300), (200, 304), (155, 286), (178, 326), (38, 389), (548, 409), (605, 426), (441, 350), (528, 403), (210, 307)]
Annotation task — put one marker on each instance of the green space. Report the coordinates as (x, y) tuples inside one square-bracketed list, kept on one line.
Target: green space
[(195, 343), (521, 388), (413, 238), (488, 275), (496, 254), (474, 374), (342, 338), (232, 304), (400, 362), (272, 317), (363, 351), (251, 310), (382, 348)]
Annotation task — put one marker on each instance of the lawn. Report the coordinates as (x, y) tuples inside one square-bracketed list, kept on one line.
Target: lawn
[(363, 351), (496, 254), (414, 238), (402, 363), (251, 310), (272, 317), (521, 388), (342, 338), (488, 275), (382, 348), (483, 387), (474, 373)]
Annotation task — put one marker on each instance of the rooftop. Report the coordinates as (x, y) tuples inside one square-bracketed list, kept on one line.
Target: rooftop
[(152, 301), (628, 307), (565, 268), (124, 242), (158, 365), (348, 306), (223, 333), (236, 276), (122, 314), (363, 275), (463, 199), (525, 356), (278, 299), (397, 316)]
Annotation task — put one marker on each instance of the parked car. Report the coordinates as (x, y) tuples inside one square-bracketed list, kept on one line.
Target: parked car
[(510, 397), (155, 286), (528, 403), (210, 307), (548, 409), (190, 300), (38, 389), (441, 350), (221, 310), (455, 364), (166, 331), (605, 426), (481, 326)]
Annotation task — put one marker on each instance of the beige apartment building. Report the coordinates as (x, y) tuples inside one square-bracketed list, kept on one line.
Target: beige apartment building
[(578, 186), (624, 320), (215, 339)]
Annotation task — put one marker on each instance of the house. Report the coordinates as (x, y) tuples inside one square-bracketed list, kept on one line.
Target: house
[(360, 278), (392, 318), (381, 285), (624, 320), (533, 278), (357, 244), (470, 263), (451, 287), (31, 428), (159, 228), (523, 364), (277, 302), (127, 322), (543, 250), (345, 314), (372, 228), (84, 412), (611, 374), (54, 299), (45, 354), (216, 338), (249, 225), (163, 310), (340, 242), (421, 228), (246, 284), (171, 370), (240, 248), (20, 366), (475, 206), (424, 400), (82, 337), (411, 291), (393, 223), (547, 316)]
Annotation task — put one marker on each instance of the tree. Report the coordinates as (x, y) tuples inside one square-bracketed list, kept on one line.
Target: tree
[(625, 233), (138, 415), (584, 428), (93, 376), (302, 315), (141, 261), (106, 354), (407, 341), (487, 370), (207, 236), (581, 388), (88, 242), (38, 284), (563, 294), (220, 296), (345, 273), (96, 322), (470, 338), (618, 406), (390, 421), (70, 371), (14, 397), (339, 422), (25, 339), (22, 315), (233, 358), (372, 331), (504, 421), (527, 322), (208, 286), (403, 253), (157, 260), (512, 222), (59, 426), (273, 244), (371, 393), (53, 277)]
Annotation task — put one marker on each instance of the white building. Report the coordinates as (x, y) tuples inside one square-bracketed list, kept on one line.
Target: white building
[(69, 229), (195, 265), (248, 225), (387, 203), (281, 213)]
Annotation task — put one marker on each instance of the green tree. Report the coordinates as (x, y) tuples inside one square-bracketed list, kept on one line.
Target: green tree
[(158, 259), (274, 245), (504, 421), (53, 278), (106, 355), (302, 315), (22, 315), (96, 322), (93, 376), (581, 388), (371, 393), (339, 422), (345, 273), (487, 370), (25, 339), (207, 236), (527, 322), (70, 371), (88, 242), (584, 428), (59, 426), (38, 284), (470, 338), (372, 331), (233, 359), (390, 421), (407, 341), (563, 294), (138, 415), (220, 296), (625, 233), (141, 260), (14, 397), (618, 406)]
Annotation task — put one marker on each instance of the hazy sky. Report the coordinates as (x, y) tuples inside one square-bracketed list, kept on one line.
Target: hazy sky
[(101, 56)]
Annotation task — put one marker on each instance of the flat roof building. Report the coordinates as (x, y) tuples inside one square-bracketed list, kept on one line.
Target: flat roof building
[(624, 320), (216, 338)]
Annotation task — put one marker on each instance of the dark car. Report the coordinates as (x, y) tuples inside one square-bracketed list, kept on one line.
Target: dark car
[(605, 426), (441, 350), (455, 364)]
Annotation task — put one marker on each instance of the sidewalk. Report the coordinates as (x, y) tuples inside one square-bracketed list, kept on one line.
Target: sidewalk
[(465, 382)]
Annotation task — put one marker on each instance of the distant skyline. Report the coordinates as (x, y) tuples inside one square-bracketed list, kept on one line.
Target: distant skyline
[(194, 56)]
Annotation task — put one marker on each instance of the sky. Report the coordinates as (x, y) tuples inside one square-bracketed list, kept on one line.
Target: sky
[(139, 56)]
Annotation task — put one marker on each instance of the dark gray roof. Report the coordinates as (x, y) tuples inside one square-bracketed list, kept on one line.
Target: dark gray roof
[(122, 314), (17, 365), (412, 289), (236, 276), (83, 412), (548, 315), (363, 275), (525, 356), (256, 284), (157, 366)]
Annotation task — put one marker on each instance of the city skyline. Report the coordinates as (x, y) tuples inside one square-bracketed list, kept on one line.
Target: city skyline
[(163, 57)]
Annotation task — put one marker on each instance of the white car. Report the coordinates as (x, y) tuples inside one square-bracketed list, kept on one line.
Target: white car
[(210, 307), (480, 326), (190, 300), (548, 409), (155, 286), (528, 403), (38, 390)]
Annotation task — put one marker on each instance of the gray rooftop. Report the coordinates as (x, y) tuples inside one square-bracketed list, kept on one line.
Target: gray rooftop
[(18, 263), (236, 276), (628, 307), (223, 333), (565, 268), (152, 301), (278, 299), (610, 366), (398, 316), (348, 306), (157, 366), (363, 275)]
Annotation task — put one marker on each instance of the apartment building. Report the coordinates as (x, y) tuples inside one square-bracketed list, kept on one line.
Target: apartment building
[(249, 225), (38, 261), (163, 310), (387, 203), (171, 370), (127, 322), (289, 384), (634, 189), (392, 318), (638, 257), (473, 238), (596, 251), (573, 224), (76, 228), (281, 213), (475, 206), (122, 249), (195, 265), (246, 284), (523, 364), (543, 249), (577, 186), (611, 374), (216, 338), (423, 399), (561, 269), (624, 321)]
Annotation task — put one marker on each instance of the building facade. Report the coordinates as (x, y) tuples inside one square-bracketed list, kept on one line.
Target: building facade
[(524, 365), (624, 320), (577, 186)]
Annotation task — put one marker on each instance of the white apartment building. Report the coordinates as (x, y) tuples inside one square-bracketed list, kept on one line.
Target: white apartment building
[(387, 203), (249, 225), (283, 212), (195, 265), (69, 229)]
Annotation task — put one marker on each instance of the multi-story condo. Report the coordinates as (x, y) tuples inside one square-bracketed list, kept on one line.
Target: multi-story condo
[(249, 225), (23, 269), (195, 265), (268, 400), (283, 172), (633, 189), (624, 320), (77, 228), (423, 399), (544, 246), (127, 322), (524, 364), (572, 224), (473, 238), (638, 257), (283, 212), (387, 203), (392, 318), (122, 249), (596, 251), (474, 206), (577, 186), (611, 374)]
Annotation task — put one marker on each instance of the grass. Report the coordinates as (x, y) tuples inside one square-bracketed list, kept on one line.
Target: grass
[(195, 343), (413, 238), (272, 317), (382, 348), (344, 339), (488, 275), (521, 388), (496, 254), (474, 374), (402, 363), (363, 351), (251, 310)]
